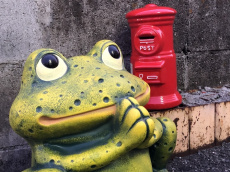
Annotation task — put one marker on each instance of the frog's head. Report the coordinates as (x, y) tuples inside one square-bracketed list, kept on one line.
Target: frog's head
[(60, 96)]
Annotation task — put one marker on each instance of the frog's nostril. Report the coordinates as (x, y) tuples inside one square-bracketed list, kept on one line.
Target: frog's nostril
[(122, 76)]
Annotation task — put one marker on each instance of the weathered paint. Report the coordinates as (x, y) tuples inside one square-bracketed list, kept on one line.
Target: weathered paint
[(222, 129)]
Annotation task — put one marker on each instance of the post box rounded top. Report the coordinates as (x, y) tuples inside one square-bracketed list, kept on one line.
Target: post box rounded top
[(151, 10)]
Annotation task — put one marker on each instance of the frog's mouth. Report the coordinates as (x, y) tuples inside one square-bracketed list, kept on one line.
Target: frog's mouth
[(103, 112)]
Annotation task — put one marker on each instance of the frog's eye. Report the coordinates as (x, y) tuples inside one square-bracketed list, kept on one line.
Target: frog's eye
[(50, 67), (112, 57)]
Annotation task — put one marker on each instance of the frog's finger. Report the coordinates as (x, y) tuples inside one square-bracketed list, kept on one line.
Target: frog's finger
[(158, 130), (133, 101), (137, 134), (143, 111), (157, 133), (131, 117), (122, 109), (149, 136)]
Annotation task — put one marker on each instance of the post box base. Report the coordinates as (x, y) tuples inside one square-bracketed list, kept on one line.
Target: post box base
[(164, 102)]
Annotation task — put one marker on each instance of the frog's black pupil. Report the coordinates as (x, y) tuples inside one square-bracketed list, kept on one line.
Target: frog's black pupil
[(50, 61), (114, 52)]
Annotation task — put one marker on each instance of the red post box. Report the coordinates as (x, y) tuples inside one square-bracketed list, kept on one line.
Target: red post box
[(153, 58)]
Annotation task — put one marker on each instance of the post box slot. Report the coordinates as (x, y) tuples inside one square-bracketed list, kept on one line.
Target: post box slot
[(146, 37)]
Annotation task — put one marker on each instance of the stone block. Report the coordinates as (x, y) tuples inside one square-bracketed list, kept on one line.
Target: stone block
[(223, 25), (78, 25), (222, 132), (15, 160), (181, 23), (202, 26), (182, 78), (10, 76), (20, 31), (180, 118), (208, 69), (202, 126), (209, 25)]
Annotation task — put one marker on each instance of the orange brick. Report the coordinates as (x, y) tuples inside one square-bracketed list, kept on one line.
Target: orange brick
[(222, 121), (202, 126)]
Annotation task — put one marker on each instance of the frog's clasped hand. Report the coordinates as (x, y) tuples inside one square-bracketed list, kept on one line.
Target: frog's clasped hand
[(136, 126)]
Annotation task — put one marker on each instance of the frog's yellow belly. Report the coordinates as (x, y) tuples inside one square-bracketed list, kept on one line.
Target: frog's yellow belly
[(136, 160)]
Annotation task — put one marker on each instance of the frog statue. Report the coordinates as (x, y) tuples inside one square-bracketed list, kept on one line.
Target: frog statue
[(86, 113)]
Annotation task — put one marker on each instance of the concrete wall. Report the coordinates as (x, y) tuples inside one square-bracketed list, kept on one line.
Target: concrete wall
[(201, 41)]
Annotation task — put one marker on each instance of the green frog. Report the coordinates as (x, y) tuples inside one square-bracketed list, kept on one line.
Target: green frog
[(86, 113)]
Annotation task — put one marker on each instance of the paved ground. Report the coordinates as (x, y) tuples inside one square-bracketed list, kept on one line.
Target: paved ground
[(216, 159)]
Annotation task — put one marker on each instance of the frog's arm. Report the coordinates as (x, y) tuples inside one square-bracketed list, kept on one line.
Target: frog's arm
[(163, 149), (162, 144), (133, 126)]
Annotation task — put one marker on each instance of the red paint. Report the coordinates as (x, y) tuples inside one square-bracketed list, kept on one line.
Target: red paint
[(153, 58)]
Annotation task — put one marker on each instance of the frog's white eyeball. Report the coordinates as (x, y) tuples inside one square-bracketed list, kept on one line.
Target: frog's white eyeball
[(50, 67), (112, 57)]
